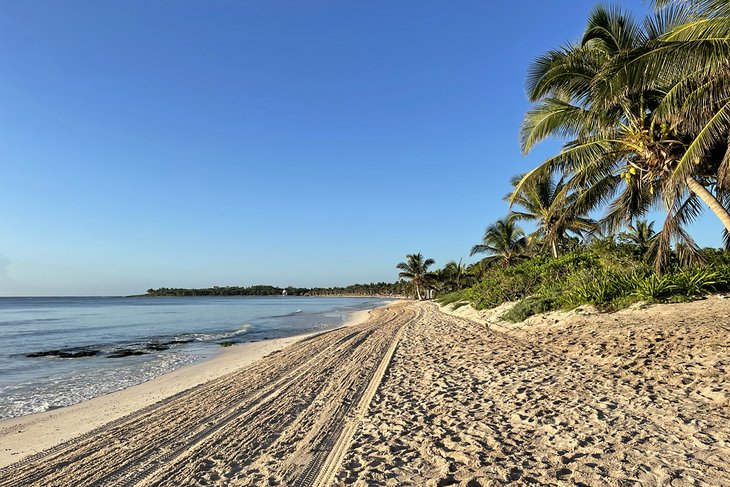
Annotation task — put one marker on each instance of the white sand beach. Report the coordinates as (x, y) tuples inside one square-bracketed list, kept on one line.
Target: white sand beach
[(414, 396)]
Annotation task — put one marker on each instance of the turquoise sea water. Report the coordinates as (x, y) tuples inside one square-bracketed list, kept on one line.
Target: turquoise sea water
[(59, 351)]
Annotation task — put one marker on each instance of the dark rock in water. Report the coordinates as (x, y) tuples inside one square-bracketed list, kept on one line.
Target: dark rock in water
[(47, 353), (157, 346), (64, 353), (125, 352), (168, 344), (78, 354)]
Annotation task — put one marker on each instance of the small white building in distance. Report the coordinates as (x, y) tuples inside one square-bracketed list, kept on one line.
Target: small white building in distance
[(283, 292)]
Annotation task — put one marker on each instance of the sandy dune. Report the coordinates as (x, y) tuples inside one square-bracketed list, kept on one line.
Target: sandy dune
[(417, 397)]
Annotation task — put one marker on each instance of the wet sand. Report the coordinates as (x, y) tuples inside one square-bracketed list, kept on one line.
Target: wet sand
[(414, 396)]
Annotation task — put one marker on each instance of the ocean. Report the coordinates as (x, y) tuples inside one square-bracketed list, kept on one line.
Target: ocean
[(58, 351)]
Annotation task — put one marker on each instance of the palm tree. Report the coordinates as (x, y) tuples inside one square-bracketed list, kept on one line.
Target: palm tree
[(503, 241), (554, 206), (621, 146), (641, 233), (415, 269), (455, 276)]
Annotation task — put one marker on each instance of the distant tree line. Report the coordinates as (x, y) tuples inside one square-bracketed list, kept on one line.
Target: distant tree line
[(257, 290), (372, 289), (398, 288)]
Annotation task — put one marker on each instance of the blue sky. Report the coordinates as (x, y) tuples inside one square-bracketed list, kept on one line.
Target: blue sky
[(309, 143)]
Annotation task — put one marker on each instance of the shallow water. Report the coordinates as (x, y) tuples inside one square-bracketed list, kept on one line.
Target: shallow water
[(120, 342)]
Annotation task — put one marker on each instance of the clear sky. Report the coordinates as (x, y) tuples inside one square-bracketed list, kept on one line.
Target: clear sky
[(308, 143)]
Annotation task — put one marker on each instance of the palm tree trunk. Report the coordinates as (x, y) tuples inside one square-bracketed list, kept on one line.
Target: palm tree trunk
[(710, 201), (418, 292), (555, 249)]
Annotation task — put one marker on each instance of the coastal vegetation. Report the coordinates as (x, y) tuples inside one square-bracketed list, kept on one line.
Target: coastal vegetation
[(642, 112), (605, 273), (371, 289)]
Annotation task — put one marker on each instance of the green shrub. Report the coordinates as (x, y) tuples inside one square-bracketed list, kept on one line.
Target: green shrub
[(695, 282), (533, 276), (604, 289), (527, 307), (604, 274), (450, 298), (723, 279), (653, 287)]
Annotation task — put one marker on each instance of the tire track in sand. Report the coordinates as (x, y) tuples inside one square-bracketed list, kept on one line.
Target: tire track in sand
[(217, 430), (81, 450), (285, 445), (334, 459), (183, 415)]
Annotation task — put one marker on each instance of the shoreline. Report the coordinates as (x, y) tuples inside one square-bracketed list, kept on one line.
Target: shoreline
[(32, 433)]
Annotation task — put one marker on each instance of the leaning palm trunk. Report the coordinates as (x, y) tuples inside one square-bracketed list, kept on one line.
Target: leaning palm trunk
[(710, 201)]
